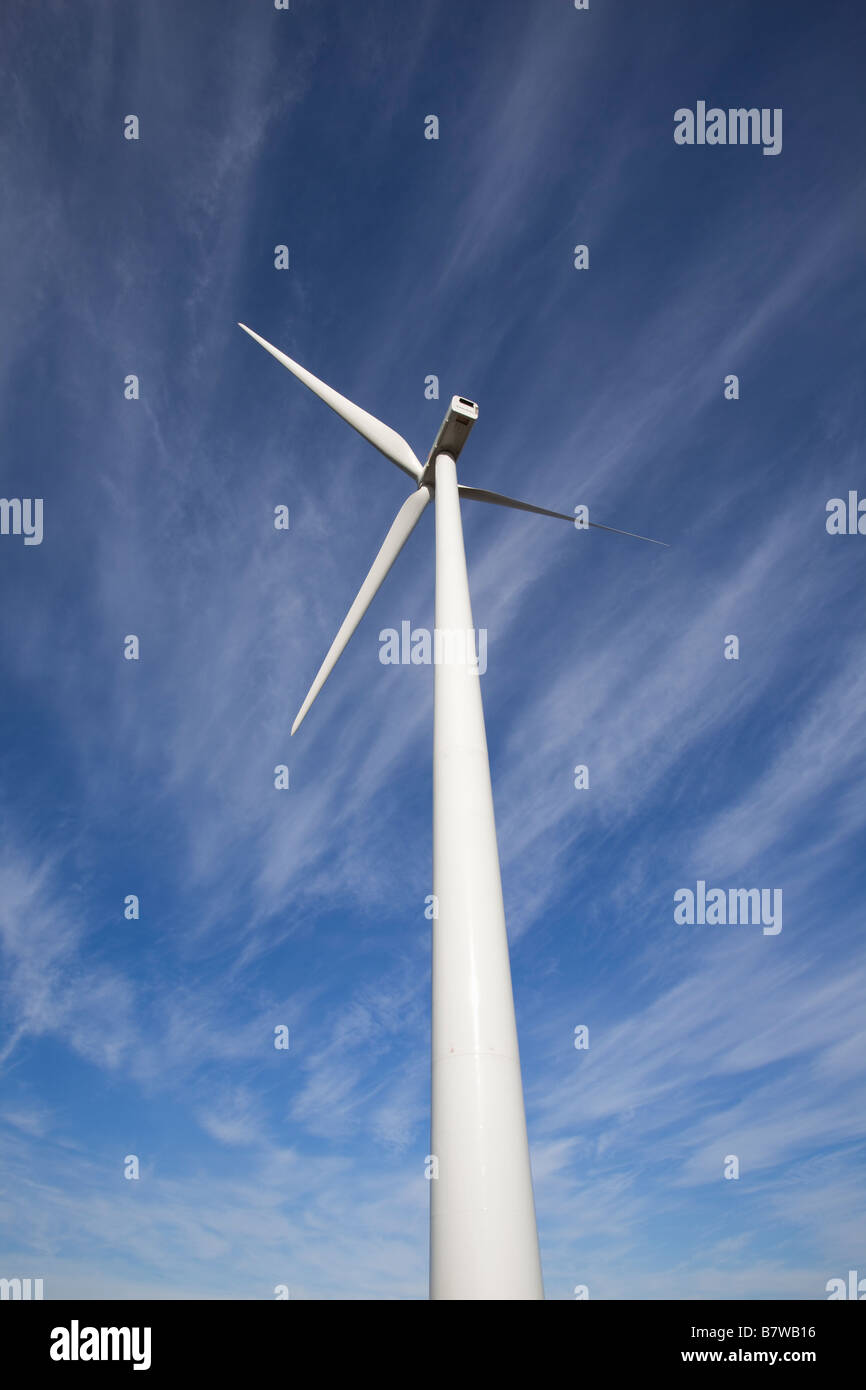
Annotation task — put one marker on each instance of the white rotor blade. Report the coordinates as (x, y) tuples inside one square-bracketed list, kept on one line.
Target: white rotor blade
[(480, 494), (403, 525), (386, 440)]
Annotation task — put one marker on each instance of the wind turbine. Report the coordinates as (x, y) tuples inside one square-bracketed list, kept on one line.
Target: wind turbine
[(483, 1234)]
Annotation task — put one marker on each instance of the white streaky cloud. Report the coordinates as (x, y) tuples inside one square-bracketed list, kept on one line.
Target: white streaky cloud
[(328, 1230), (689, 1078)]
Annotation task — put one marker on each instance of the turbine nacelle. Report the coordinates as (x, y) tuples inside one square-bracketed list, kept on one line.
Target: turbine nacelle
[(453, 433)]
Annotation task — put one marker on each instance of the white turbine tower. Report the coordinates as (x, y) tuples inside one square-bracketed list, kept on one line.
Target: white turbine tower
[(483, 1236)]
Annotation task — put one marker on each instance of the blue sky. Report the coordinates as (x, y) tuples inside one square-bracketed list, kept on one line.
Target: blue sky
[(411, 257)]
